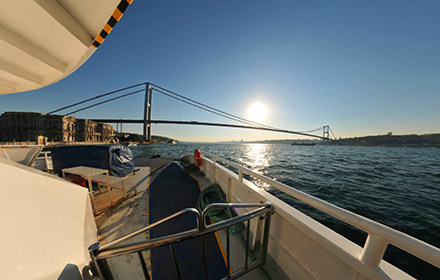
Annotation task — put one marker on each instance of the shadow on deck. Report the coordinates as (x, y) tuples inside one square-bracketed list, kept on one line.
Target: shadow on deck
[(162, 191)]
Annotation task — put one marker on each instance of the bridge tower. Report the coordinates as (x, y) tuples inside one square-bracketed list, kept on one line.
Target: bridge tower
[(326, 132), (147, 113)]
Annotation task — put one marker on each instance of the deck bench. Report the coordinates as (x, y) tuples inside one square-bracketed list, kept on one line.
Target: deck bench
[(114, 182), (102, 200)]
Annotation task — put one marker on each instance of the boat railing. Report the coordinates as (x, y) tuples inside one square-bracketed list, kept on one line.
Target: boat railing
[(379, 235), (99, 254), (4, 154), (44, 161), (14, 143), (44, 154)]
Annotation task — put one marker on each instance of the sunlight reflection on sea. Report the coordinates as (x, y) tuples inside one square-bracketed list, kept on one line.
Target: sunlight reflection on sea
[(399, 187)]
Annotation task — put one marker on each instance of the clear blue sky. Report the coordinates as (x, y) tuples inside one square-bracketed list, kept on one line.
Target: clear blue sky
[(362, 67)]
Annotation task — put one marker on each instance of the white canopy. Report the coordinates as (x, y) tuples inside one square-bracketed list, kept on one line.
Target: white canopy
[(43, 41)]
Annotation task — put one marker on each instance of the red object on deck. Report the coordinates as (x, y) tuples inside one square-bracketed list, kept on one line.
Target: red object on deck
[(197, 157), (76, 180)]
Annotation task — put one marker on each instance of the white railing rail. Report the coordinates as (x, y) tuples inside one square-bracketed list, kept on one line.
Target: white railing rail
[(5, 154), (44, 155), (22, 143), (379, 235)]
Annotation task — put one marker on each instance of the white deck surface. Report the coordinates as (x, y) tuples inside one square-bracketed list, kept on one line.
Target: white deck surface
[(132, 214), (124, 218)]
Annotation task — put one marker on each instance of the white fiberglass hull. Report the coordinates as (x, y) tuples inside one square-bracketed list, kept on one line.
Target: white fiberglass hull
[(24, 154), (302, 248), (47, 224)]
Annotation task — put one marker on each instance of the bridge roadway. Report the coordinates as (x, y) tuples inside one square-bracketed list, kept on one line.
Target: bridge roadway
[(206, 124)]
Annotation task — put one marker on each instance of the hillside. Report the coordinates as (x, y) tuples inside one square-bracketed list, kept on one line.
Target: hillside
[(133, 137), (412, 140)]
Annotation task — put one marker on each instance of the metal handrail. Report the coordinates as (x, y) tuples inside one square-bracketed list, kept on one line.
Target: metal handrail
[(139, 231), (379, 235), (145, 245), (110, 249), (260, 206), (99, 253)]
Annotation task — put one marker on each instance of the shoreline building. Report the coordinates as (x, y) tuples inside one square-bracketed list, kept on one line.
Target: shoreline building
[(27, 126)]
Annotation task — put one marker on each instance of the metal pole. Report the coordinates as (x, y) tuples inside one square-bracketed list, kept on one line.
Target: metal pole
[(150, 97), (173, 252), (93, 252), (144, 266), (228, 264), (146, 108), (205, 263), (266, 233)]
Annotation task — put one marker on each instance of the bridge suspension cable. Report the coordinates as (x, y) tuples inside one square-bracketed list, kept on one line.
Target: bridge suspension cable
[(166, 92), (93, 98), (224, 114), (214, 111), (249, 124), (163, 91), (334, 137), (313, 130), (105, 101)]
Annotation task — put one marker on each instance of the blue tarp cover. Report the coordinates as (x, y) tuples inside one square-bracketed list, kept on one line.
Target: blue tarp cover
[(117, 159), (121, 160)]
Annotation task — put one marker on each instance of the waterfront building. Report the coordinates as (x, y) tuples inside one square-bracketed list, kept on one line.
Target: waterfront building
[(27, 126)]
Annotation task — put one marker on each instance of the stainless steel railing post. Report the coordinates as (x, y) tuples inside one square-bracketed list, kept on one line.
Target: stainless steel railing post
[(93, 252), (99, 254), (266, 233), (144, 266)]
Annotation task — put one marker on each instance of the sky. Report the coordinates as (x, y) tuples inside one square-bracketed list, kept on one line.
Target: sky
[(362, 67)]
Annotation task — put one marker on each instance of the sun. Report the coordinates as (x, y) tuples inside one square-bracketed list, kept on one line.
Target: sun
[(257, 112)]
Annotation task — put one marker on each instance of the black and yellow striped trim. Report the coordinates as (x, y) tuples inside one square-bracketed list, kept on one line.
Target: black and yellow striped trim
[(116, 16)]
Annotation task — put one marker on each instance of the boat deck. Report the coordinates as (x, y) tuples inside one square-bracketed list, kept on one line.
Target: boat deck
[(165, 189)]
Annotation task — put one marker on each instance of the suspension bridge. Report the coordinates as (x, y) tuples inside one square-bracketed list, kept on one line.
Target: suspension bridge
[(149, 88)]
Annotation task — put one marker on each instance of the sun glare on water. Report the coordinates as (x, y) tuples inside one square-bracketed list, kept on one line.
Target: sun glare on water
[(257, 112)]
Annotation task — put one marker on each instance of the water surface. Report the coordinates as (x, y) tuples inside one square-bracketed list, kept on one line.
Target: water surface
[(399, 187)]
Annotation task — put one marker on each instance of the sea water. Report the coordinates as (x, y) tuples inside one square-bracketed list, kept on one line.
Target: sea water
[(398, 187)]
